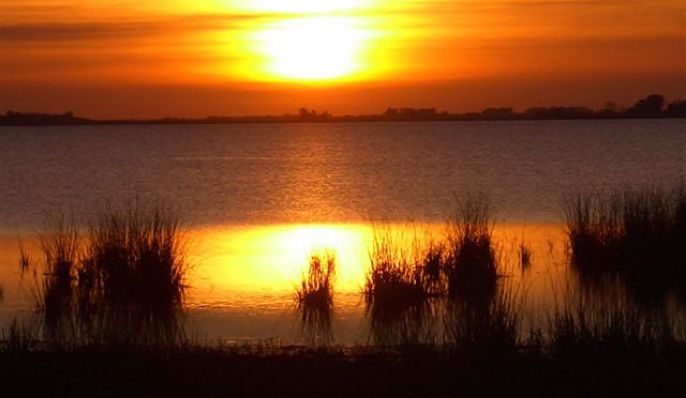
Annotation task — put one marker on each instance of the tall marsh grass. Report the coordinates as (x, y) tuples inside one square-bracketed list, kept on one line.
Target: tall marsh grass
[(120, 278), (471, 267), (637, 234), (401, 286), (315, 297), (135, 257), (406, 290)]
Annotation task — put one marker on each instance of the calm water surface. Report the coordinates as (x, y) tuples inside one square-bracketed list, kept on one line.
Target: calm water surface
[(257, 199)]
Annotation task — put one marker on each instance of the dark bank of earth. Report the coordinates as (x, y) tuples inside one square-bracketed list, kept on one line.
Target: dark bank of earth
[(283, 372)]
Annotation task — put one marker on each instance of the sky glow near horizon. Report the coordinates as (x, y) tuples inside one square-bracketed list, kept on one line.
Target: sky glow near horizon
[(416, 51)]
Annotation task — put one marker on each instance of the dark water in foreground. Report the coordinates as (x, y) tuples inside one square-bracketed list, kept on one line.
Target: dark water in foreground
[(258, 198)]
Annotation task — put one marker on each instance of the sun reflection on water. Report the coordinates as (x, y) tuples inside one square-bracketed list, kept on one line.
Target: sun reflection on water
[(273, 258), (266, 262), (255, 266)]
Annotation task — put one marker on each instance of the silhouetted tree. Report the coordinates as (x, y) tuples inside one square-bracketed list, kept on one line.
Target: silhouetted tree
[(306, 114), (391, 113), (650, 106), (676, 109), (498, 113)]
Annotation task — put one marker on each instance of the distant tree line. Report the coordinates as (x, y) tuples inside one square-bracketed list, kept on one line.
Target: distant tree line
[(30, 118), (652, 106)]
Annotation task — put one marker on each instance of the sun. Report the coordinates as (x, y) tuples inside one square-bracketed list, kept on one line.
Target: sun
[(308, 6), (314, 48)]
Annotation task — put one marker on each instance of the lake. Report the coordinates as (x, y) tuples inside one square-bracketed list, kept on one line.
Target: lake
[(256, 200)]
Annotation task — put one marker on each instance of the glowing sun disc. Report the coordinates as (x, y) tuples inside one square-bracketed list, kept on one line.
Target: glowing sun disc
[(312, 48)]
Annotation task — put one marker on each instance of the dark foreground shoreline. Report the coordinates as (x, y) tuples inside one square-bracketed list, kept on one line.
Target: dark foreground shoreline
[(414, 371)]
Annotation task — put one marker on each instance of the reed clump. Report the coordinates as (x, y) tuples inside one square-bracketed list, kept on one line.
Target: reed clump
[(121, 278), (400, 288), (471, 268), (406, 291), (315, 297), (525, 256), (398, 277), (638, 235), (135, 257), (56, 297), (316, 287), (464, 264)]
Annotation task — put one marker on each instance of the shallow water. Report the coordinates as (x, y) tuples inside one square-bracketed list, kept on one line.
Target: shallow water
[(258, 199)]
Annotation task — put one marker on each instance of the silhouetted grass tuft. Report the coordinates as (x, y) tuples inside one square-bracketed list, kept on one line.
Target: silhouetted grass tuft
[(525, 256), (635, 234), (472, 269), (121, 279), (399, 288), (135, 257), (61, 247), (314, 297), (24, 260)]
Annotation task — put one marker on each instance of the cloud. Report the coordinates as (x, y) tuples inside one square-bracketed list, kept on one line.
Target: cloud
[(103, 30)]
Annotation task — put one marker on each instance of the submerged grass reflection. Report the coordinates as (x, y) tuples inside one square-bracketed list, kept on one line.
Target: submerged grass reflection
[(605, 318)]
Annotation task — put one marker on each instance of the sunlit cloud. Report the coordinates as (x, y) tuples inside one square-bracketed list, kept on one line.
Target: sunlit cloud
[(308, 43)]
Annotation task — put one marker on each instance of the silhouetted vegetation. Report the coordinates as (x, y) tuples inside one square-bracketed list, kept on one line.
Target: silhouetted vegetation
[(18, 338), (585, 348), (636, 235), (11, 118), (121, 279), (653, 106), (455, 278), (597, 326), (314, 298), (399, 290), (443, 319), (525, 256), (24, 259), (471, 268), (491, 326), (650, 106)]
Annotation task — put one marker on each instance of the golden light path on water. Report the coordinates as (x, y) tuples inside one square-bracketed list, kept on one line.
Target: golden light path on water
[(254, 269), (270, 260), (273, 258)]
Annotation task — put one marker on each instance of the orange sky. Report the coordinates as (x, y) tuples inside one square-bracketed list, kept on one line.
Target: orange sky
[(124, 58)]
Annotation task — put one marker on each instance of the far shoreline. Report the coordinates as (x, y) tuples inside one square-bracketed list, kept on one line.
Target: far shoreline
[(651, 107), (202, 122)]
